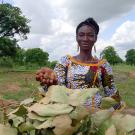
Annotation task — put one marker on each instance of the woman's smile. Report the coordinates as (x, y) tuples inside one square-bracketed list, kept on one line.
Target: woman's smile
[(86, 37)]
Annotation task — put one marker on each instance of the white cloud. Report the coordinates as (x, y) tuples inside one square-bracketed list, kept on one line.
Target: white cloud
[(101, 10), (40, 13), (59, 45), (34, 41), (123, 39), (53, 23)]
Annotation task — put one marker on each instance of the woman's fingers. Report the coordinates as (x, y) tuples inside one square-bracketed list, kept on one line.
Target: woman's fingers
[(46, 76)]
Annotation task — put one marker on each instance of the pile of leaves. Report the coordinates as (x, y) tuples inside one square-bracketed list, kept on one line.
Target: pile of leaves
[(62, 111)]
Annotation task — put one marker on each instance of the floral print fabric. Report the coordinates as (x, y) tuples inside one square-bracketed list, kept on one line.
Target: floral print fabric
[(76, 75)]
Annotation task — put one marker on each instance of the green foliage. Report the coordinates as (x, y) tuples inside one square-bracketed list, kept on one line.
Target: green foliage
[(46, 116), (31, 66), (130, 57), (12, 22), (8, 47), (110, 54), (6, 62), (52, 64), (37, 56), (20, 56), (12, 25)]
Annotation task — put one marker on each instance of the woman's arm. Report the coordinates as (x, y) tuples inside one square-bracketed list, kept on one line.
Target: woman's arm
[(108, 84), (61, 70)]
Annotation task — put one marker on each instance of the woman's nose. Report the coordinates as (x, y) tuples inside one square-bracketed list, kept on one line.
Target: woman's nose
[(86, 37)]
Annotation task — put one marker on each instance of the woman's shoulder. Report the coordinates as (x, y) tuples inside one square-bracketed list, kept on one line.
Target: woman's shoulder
[(103, 63), (105, 66), (65, 60)]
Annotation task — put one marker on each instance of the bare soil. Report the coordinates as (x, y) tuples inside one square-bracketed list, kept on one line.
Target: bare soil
[(8, 103), (132, 74), (12, 87), (129, 111)]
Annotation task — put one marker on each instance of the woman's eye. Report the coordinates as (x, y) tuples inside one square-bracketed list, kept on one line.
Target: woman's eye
[(81, 34), (91, 35)]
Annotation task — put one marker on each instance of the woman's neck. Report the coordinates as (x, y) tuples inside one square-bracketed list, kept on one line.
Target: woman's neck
[(85, 56)]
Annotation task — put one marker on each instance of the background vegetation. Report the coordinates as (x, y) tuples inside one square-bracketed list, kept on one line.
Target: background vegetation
[(18, 66)]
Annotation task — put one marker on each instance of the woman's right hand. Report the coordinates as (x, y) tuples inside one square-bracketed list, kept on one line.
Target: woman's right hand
[(46, 76)]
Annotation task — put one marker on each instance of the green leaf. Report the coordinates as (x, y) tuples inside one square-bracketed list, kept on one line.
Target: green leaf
[(17, 120), (107, 102), (26, 127), (20, 111)]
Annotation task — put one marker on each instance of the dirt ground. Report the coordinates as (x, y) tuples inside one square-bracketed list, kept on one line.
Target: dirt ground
[(12, 87), (8, 103), (132, 74), (129, 111)]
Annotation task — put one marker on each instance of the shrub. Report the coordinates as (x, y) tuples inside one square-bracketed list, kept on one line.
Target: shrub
[(6, 62)]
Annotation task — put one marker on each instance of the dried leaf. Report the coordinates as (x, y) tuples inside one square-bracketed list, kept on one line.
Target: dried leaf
[(45, 100), (116, 117), (58, 94), (87, 93), (79, 113), (99, 117), (111, 130), (27, 101), (34, 116), (62, 125), (73, 100), (127, 123), (46, 124), (50, 109)]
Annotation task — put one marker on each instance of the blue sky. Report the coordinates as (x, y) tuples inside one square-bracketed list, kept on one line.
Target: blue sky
[(109, 32), (53, 24)]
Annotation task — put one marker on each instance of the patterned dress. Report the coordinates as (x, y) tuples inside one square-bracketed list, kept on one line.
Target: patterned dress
[(78, 75)]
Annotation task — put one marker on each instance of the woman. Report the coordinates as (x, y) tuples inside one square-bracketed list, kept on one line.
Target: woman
[(83, 70)]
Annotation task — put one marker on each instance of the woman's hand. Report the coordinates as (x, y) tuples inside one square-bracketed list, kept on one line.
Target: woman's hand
[(46, 76)]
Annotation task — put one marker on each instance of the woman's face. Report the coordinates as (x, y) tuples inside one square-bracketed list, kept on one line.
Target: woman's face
[(86, 37)]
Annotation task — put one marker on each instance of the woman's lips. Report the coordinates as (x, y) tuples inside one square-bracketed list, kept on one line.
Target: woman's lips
[(85, 44)]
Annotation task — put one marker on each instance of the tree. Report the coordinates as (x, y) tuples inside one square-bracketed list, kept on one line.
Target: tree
[(130, 57), (12, 25), (36, 56), (8, 47), (12, 22), (52, 64), (110, 54), (20, 56)]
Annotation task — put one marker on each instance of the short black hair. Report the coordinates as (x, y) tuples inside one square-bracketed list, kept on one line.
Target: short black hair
[(90, 22)]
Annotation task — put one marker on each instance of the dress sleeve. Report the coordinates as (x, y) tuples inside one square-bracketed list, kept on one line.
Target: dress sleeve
[(61, 70), (108, 82)]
